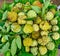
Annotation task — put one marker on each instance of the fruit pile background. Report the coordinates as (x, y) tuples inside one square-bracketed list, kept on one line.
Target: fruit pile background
[(30, 40)]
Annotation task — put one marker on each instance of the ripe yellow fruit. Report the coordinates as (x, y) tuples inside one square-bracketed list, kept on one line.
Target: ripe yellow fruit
[(15, 27), (21, 21), (36, 27), (44, 40), (28, 28), (12, 16), (43, 50), (38, 20), (27, 42), (44, 25)]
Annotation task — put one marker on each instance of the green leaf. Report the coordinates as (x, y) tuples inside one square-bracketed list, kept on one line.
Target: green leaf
[(25, 54), (5, 48), (46, 4), (57, 42), (18, 41), (57, 13), (52, 6), (4, 15), (11, 5), (13, 47), (4, 6), (36, 8), (16, 1), (54, 52), (7, 53), (2, 23)]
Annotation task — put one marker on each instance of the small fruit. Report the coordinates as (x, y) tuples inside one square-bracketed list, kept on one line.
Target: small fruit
[(43, 50), (28, 28)]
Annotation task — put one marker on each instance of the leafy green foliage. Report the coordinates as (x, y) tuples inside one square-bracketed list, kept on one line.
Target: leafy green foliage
[(36, 8), (7, 53), (5, 48), (45, 6), (52, 6), (18, 42), (2, 23), (4, 6), (4, 15), (53, 53), (13, 47), (25, 54)]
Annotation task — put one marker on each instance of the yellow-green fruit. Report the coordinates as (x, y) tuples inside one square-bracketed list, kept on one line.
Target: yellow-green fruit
[(3, 40), (35, 43), (44, 25), (34, 50), (44, 40), (38, 20), (15, 27), (55, 36), (35, 35), (31, 14), (28, 28), (43, 50), (36, 27), (27, 42), (50, 46), (49, 15), (12, 16), (21, 21), (27, 49)]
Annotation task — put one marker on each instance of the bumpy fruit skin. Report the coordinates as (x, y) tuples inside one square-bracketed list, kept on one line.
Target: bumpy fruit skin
[(38, 20), (43, 50), (15, 27), (44, 33), (50, 46), (35, 35), (12, 16), (55, 28), (34, 51), (36, 27), (44, 40), (49, 15), (21, 21), (19, 5), (37, 3), (27, 42), (15, 9), (44, 25), (55, 36), (30, 22), (54, 21), (22, 15), (35, 43), (31, 14), (28, 28)]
